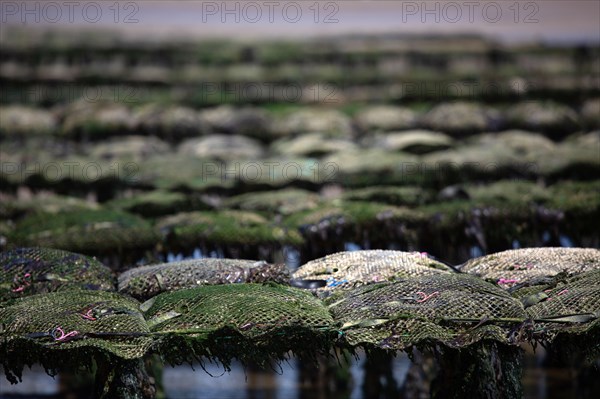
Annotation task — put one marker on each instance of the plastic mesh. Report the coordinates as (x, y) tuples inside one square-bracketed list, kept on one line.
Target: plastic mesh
[(97, 232), (147, 281), (26, 271), (575, 301), (104, 320), (240, 320), (526, 265), (252, 309), (350, 269), (188, 229), (566, 313), (424, 304), (446, 308)]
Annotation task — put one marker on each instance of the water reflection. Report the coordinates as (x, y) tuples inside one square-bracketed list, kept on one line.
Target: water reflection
[(291, 257), (539, 381), (346, 378), (292, 380), (476, 252), (565, 241), (350, 246), (183, 382)]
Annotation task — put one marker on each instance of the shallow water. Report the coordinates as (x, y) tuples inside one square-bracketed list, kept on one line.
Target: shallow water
[(285, 381)]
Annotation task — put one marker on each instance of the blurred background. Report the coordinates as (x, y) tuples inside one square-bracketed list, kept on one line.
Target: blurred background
[(286, 131)]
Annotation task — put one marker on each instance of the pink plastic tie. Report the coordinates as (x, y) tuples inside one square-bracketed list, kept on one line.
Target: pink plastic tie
[(558, 294), (64, 336), (88, 315), (425, 297), (507, 281), (25, 284)]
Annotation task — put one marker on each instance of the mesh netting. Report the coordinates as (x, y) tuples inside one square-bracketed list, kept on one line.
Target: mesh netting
[(26, 271), (572, 303), (97, 232), (189, 229), (146, 281), (105, 320), (521, 266), (350, 269), (445, 308), (239, 320), (566, 313), (70, 329), (423, 304)]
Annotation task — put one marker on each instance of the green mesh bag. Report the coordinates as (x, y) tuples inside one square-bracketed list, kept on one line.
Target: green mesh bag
[(566, 314), (354, 268), (572, 303), (69, 327), (228, 227), (255, 322), (528, 265), (96, 232), (284, 202), (25, 271), (451, 309), (352, 216), (147, 281)]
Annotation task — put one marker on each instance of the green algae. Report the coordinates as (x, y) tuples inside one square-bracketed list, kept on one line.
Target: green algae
[(95, 120), (252, 322), (279, 52), (571, 160), (392, 195), (283, 202), (313, 145), (462, 118), (27, 271), (45, 202), (168, 121), (328, 227), (454, 228), (29, 322), (234, 228), (330, 122), (24, 122), (548, 117), (170, 172), (95, 232), (385, 118), (415, 141), (351, 213), (153, 203), (580, 204), (128, 148), (366, 167), (509, 192), (577, 199)]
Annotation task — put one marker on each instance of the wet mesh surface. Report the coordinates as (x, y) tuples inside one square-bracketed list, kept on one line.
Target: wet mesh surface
[(245, 321), (97, 317), (351, 269), (146, 281), (574, 303), (97, 232), (26, 271), (518, 266), (423, 304), (251, 309), (437, 308)]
